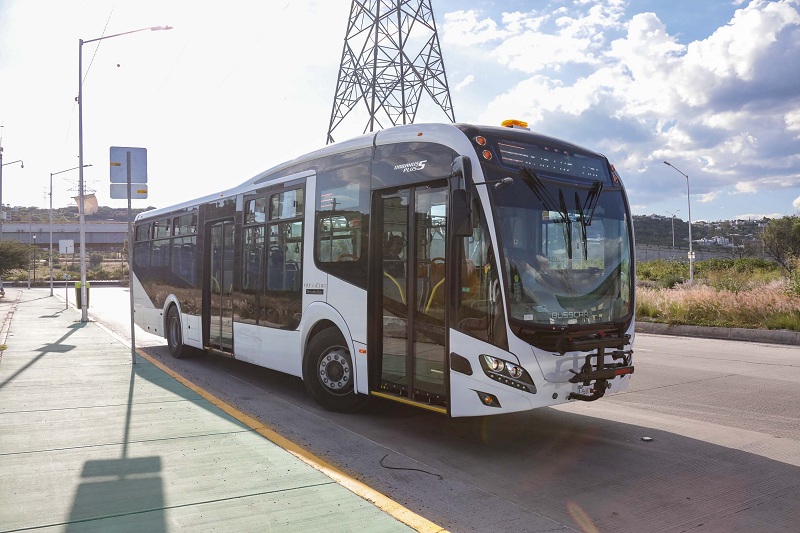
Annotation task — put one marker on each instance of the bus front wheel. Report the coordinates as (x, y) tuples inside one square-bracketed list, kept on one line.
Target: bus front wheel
[(328, 373), (174, 333)]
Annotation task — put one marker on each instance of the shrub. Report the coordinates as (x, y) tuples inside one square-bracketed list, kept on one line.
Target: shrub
[(790, 321), (728, 280), (793, 283), (659, 269), (669, 281)]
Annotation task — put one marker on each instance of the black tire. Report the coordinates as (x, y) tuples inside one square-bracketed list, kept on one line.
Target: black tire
[(328, 373), (174, 334)]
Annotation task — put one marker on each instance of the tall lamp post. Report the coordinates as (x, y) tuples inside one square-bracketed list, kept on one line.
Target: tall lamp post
[(81, 222), (51, 221), (689, 201), (34, 263)]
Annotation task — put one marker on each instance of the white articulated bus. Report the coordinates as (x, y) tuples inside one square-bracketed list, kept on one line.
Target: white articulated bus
[(464, 269)]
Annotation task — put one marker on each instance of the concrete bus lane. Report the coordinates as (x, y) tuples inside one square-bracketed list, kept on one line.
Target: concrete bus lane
[(707, 439)]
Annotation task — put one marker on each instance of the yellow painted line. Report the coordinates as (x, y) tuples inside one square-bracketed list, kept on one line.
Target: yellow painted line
[(386, 504)]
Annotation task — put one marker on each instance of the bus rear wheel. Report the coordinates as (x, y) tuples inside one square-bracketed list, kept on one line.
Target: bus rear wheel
[(328, 373), (174, 334)]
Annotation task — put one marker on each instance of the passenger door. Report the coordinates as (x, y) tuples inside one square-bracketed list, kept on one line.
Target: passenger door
[(410, 321)]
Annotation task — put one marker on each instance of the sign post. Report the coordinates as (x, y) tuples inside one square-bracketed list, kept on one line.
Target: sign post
[(66, 287), (129, 180)]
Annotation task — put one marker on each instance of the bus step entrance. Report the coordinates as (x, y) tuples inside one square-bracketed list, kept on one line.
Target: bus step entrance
[(216, 351)]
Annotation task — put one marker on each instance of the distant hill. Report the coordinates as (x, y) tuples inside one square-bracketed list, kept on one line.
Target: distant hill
[(70, 214), (657, 230)]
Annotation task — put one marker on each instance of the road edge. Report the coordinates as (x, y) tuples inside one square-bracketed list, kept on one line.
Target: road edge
[(732, 334)]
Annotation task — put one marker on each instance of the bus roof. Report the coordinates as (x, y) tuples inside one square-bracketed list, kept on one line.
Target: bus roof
[(454, 135), (442, 133)]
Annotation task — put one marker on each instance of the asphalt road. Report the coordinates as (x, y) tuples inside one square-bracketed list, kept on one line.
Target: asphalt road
[(707, 439)]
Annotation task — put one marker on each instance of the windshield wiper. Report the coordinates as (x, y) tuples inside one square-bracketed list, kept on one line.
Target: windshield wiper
[(584, 223), (591, 201), (544, 196), (541, 192), (586, 212), (567, 222)]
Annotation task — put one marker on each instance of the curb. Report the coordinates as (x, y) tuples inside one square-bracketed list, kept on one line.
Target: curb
[(6, 320), (732, 334)]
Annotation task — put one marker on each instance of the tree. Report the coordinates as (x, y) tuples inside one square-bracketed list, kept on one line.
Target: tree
[(782, 241), (14, 255)]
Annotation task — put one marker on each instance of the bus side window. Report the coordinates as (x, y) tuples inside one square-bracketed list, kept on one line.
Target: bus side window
[(342, 217), (141, 252), (282, 303)]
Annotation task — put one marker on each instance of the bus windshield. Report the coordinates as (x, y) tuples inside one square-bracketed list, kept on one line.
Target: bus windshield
[(565, 244)]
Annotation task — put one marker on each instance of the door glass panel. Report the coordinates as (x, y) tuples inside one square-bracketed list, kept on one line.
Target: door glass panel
[(394, 304), (430, 208), (221, 286)]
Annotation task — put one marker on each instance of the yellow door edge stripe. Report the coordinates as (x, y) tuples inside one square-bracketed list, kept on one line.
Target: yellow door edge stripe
[(386, 504), (434, 408)]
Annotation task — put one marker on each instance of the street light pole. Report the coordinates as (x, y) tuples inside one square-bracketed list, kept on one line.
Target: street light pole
[(34, 259), (51, 222), (32, 242), (81, 222), (689, 201)]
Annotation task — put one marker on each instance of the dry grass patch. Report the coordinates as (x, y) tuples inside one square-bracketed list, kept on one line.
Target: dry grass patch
[(768, 306)]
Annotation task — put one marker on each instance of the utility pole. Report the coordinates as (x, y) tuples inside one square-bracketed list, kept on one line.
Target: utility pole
[(391, 55), (673, 227)]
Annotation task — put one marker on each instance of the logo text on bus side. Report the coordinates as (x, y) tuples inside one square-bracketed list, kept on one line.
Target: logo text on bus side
[(411, 167)]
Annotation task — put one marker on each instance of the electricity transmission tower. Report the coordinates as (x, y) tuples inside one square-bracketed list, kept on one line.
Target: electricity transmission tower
[(391, 55)]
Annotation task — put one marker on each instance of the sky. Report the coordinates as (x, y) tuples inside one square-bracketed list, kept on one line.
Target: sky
[(235, 88)]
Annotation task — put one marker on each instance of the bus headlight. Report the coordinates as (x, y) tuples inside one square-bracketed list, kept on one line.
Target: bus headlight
[(494, 364), (507, 373), (514, 371)]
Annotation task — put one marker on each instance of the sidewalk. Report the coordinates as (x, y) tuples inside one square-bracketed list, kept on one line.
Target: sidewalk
[(90, 442)]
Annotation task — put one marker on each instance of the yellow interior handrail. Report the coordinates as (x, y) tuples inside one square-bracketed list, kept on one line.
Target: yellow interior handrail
[(433, 293), (399, 288)]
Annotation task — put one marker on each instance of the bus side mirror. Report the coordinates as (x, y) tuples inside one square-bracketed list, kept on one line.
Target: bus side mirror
[(462, 166), (460, 213)]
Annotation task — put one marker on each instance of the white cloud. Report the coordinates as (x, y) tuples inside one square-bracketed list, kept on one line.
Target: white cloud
[(757, 216), (734, 49), (792, 119), (796, 203), (707, 197), (524, 52), (746, 187), (467, 81), (463, 28)]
